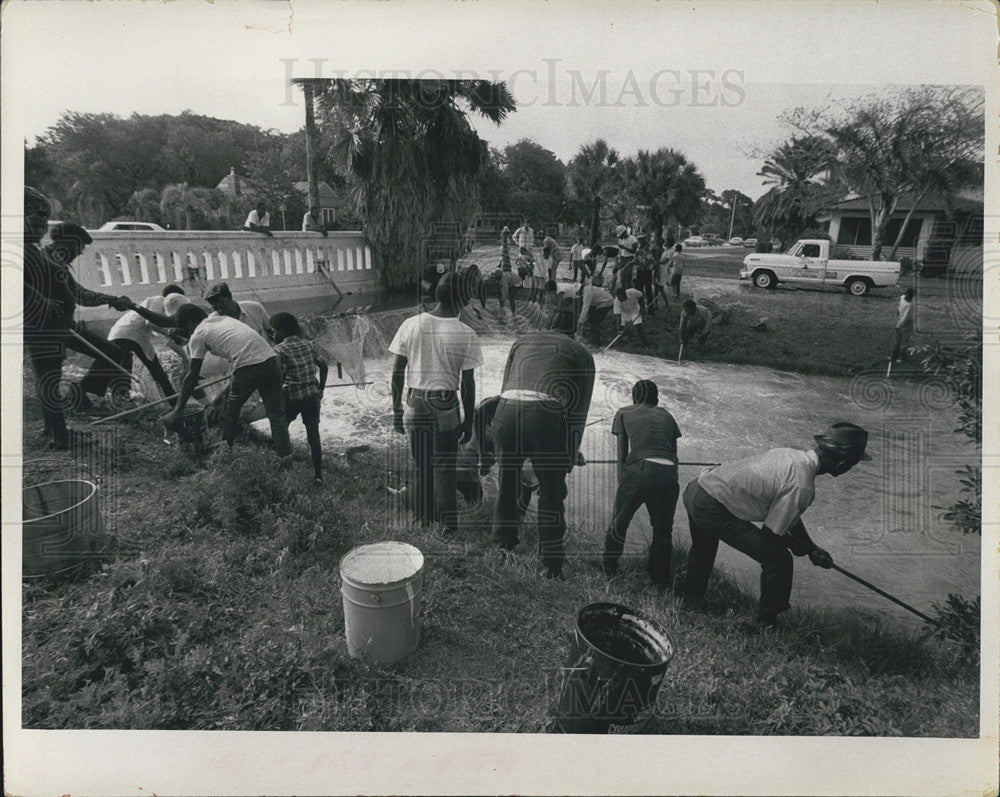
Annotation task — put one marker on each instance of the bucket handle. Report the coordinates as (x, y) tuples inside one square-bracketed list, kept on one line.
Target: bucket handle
[(49, 464)]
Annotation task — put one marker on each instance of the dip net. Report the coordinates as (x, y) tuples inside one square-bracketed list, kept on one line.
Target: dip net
[(341, 339)]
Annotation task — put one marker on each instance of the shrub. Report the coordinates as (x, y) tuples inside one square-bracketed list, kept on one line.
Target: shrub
[(959, 621)]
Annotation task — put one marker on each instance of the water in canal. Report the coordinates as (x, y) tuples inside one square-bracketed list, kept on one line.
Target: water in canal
[(877, 521)]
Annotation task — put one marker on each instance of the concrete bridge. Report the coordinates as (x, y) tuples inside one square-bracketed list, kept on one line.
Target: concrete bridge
[(302, 272)]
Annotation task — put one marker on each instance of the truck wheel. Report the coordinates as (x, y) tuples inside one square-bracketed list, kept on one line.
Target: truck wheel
[(858, 286), (764, 279)]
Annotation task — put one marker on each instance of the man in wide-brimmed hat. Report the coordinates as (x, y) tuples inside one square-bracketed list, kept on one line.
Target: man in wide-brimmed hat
[(773, 488)]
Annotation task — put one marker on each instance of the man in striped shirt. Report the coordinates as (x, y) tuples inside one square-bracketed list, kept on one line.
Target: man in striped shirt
[(300, 360)]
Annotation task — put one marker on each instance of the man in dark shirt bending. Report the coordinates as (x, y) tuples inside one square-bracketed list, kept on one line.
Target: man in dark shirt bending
[(647, 474), (547, 385)]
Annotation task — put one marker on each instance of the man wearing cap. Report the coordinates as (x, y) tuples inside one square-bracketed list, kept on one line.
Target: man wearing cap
[(248, 311), (547, 385), (773, 488), (255, 368), (68, 242), (48, 315), (436, 358)]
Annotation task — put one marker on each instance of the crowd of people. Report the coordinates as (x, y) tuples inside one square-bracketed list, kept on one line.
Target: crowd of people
[(531, 431)]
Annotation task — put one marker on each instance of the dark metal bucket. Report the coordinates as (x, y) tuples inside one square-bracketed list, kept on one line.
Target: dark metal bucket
[(61, 527), (617, 659), (193, 426)]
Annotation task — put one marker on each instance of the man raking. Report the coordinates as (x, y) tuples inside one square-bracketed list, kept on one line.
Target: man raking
[(773, 488)]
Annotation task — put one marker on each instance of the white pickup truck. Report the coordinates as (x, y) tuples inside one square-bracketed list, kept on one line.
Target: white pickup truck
[(808, 261)]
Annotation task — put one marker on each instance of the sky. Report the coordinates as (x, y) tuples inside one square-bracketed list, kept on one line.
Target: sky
[(698, 83)]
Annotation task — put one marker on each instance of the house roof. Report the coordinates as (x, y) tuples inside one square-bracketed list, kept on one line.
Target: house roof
[(968, 200), (235, 184), (327, 196)]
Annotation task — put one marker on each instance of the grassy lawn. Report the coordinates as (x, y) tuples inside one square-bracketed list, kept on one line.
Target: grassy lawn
[(219, 608), (807, 331)]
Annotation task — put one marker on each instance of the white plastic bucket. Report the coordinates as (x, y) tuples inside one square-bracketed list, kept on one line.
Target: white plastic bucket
[(381, 588)]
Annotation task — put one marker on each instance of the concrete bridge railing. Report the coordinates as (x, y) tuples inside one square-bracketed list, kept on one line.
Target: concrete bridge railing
[(288, 269)]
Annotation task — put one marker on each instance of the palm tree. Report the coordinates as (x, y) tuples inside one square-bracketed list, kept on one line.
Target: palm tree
[(144, 204), (799, 172), (592, 172), (668, 184), (182, 204), (413, 156)]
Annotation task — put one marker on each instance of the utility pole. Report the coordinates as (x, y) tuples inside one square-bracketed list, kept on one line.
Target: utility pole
[(732, 218)]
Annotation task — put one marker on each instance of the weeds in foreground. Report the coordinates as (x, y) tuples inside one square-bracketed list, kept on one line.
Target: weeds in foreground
[(221, 610)]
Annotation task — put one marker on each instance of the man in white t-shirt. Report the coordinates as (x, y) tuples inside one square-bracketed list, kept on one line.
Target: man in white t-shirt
[(133, 333), (255, 368), (259, 220), (436, 356), (774, 489), (524, 238)]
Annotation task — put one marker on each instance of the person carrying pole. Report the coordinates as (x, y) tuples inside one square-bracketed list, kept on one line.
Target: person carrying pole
[(647, 474), (133, 333), (69, 240), (695, 322), (904, 326), (547, 385), (773, 488), (255, 368)]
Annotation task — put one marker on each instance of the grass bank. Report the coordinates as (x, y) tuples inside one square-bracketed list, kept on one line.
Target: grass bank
[(219, 608)]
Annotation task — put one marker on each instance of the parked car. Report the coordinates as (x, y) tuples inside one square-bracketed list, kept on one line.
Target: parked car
[(693, 241), (751, 242), (808, 261), (119, 226), (775, 245), (736, 241), (712, 240)]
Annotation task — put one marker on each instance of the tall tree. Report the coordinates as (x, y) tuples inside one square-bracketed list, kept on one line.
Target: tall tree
[(592, 172), (903, 143), (413, 155), (801, 175), (536, 182), (667, 184)]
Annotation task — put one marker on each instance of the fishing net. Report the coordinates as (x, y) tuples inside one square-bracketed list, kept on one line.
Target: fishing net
[(341, 339)]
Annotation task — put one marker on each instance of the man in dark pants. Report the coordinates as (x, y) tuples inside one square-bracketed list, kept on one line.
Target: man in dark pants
[(68, 242), (255, 368), (647, 474), (48, 315), (547, 385), (775, 488), (436, 355)]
